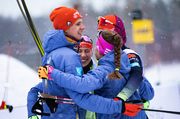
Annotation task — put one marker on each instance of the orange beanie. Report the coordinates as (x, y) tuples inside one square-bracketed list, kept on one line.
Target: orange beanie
[(108, 26), (64, 17)]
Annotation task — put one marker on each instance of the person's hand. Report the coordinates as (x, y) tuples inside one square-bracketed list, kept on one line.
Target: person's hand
[(130, 108), (146, 104), (45, 72), (33, 117)]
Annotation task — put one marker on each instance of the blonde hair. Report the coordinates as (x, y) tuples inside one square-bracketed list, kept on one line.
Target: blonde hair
[(116, 40)]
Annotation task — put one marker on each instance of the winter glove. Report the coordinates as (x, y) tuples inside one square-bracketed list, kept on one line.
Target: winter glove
[(33, 117), (45, 72), (130, 108), (146, 104)]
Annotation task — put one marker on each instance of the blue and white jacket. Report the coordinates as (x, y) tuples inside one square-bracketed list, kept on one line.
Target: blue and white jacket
[(96, 79), (60, 54)]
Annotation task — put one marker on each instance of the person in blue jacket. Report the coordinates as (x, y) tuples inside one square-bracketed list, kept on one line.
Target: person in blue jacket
[(114, 23), (85, 50), (96, 79), (60, 49), (61, 53)]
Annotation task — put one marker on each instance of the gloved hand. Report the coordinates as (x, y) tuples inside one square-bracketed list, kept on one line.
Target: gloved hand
[(33, 117), (146, 104), (45, 72), (131, 108)]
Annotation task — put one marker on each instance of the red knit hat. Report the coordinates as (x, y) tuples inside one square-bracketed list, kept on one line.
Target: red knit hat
[(64, 17), (108, 26), (115, 25), (86, 43)]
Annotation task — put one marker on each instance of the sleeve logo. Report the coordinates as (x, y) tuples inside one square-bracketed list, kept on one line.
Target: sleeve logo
[(79, 70), (135, 64)]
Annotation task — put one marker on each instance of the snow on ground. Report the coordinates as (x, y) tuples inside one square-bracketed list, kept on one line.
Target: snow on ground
[(166, 74), (21, 78)]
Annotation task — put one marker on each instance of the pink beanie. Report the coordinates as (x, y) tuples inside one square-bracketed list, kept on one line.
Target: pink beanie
[(102, 46)]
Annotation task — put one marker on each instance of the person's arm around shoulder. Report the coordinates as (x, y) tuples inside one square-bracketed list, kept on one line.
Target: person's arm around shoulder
[(73, 79), (135, 78)]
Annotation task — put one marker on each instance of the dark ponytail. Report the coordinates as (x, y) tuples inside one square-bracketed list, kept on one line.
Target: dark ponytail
[(116, 40)]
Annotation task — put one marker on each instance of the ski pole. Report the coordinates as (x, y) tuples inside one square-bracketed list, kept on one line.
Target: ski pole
[(31, 26), (32, 29), (165, 111)]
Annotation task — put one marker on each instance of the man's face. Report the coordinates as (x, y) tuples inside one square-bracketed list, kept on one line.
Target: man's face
[(85, 54), (76, 29)]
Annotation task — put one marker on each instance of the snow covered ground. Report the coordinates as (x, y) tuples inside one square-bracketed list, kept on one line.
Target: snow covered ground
[(166, 74), (21, 78)]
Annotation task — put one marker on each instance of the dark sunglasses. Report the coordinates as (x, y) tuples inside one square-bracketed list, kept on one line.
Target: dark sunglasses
[(103, 21)]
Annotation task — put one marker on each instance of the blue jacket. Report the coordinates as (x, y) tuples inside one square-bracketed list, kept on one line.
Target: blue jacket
[(62, 55), (96, 80)]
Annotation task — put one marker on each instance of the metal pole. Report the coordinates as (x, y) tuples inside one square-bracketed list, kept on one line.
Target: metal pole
[(138, 4), (140, 46)]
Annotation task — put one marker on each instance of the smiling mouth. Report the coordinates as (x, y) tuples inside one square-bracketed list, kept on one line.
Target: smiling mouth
[(80, 34), (83, 61)]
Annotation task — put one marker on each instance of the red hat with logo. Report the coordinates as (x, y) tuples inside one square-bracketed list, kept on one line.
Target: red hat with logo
[(64, 17)]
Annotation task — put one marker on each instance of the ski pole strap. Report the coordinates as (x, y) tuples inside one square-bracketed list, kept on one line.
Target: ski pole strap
[(38, 106), (51, 102)]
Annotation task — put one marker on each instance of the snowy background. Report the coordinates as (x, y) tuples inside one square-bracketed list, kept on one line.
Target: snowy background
[(21, 78), (161, 66), (165, 74)]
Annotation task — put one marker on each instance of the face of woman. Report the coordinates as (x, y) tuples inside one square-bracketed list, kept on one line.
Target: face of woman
[(85, 54), (76, 29), (97, 54)]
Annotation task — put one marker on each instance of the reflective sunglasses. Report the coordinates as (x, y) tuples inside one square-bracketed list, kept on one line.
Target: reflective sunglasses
[(88, 39), (103, 21)]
